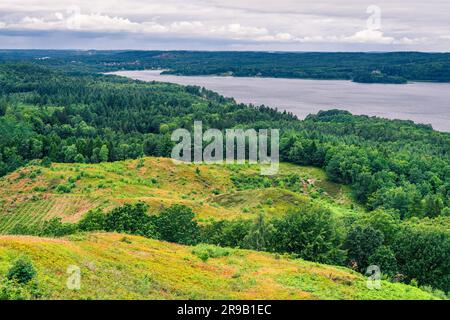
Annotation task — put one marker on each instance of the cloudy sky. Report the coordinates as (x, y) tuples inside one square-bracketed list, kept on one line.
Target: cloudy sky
[(297, 25)]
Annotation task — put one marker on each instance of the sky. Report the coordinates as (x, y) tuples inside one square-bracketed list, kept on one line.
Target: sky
[(266, 25)]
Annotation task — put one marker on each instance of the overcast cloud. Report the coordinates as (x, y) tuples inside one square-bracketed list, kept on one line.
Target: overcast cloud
[(344, 25)]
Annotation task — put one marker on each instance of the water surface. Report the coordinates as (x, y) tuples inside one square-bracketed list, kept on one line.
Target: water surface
[(420, 102)]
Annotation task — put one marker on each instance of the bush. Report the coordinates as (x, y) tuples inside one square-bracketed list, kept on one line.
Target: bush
[(94, 220), (55, 228), (10, 290), (74, 179), (177, 224), (226, 233), (384, 258), (46, 162), (361, 244), (260, 235), (205, 251), (22, 271), (65, 188), (311, 233), (131, 218), (50, 228), (24, 229), (424, 254)]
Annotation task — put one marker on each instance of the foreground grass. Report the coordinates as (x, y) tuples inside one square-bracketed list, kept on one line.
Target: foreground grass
[(115, 266)]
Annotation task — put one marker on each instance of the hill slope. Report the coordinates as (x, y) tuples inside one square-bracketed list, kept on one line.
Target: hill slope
[(114, 266), (36, 193)]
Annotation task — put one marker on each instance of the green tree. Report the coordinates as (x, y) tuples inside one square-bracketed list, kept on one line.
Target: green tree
[(94, 220), (103, 153), (423, 253), (22, 270), (164, 128), (177, 224), (260, 234), (311, 232), (362, 243), (129, 218), (226, 233), (432, 205), (56, 228), (385, 259), (46, 162), (3, 108), (79, 158), (70, 152), (386, 222)]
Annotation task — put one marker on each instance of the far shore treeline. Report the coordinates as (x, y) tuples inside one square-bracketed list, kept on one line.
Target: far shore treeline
[(365, 67)]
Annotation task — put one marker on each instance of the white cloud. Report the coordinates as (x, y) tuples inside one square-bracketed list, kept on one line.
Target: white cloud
[(185, 25), (286, 22), (237, 31), (409, 41), (369, 36)]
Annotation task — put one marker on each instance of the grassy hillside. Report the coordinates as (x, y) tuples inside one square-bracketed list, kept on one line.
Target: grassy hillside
[(114, 266), (36, 193)]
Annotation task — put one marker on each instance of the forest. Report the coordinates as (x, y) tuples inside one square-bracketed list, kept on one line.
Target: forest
[(48, 114), (399, 171), (365, 67)]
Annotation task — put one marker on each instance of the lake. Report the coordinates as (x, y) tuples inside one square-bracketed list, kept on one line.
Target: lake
[(421, 102)]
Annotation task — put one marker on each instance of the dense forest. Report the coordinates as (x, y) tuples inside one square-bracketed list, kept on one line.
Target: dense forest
[(398, 170), (92, 118), (392, 67)]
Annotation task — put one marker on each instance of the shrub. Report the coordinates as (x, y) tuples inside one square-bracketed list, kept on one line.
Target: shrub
[(424, 254), (10, 290), (24, 229), (311, 233), (226, 233), (384, 258), (131, 218), (46, 162), (140, 163), (177, 224), (126, 240), (65, 188), (362, 243), (73, 179), (205, 251), (94, 220), (260, 235), (22, 271), (55, 228), (39, 189)]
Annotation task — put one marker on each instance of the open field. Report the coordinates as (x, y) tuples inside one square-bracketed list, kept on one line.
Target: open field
[(115, 266), (35, 193)]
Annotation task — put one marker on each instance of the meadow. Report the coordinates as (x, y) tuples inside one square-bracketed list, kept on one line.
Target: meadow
[(118, 266), (37, 193)]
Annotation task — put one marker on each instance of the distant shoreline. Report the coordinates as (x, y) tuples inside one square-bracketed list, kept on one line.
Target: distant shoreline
[(260, 77), (420, 102)]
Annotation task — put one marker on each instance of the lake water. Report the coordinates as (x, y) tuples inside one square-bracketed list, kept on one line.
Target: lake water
[(421, 102)]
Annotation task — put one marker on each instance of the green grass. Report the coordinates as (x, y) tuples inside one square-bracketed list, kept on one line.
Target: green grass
[(33, 194), (115, 266)]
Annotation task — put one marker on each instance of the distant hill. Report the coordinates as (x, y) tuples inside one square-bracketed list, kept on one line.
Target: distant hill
[(390, 67), (36, 193)]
